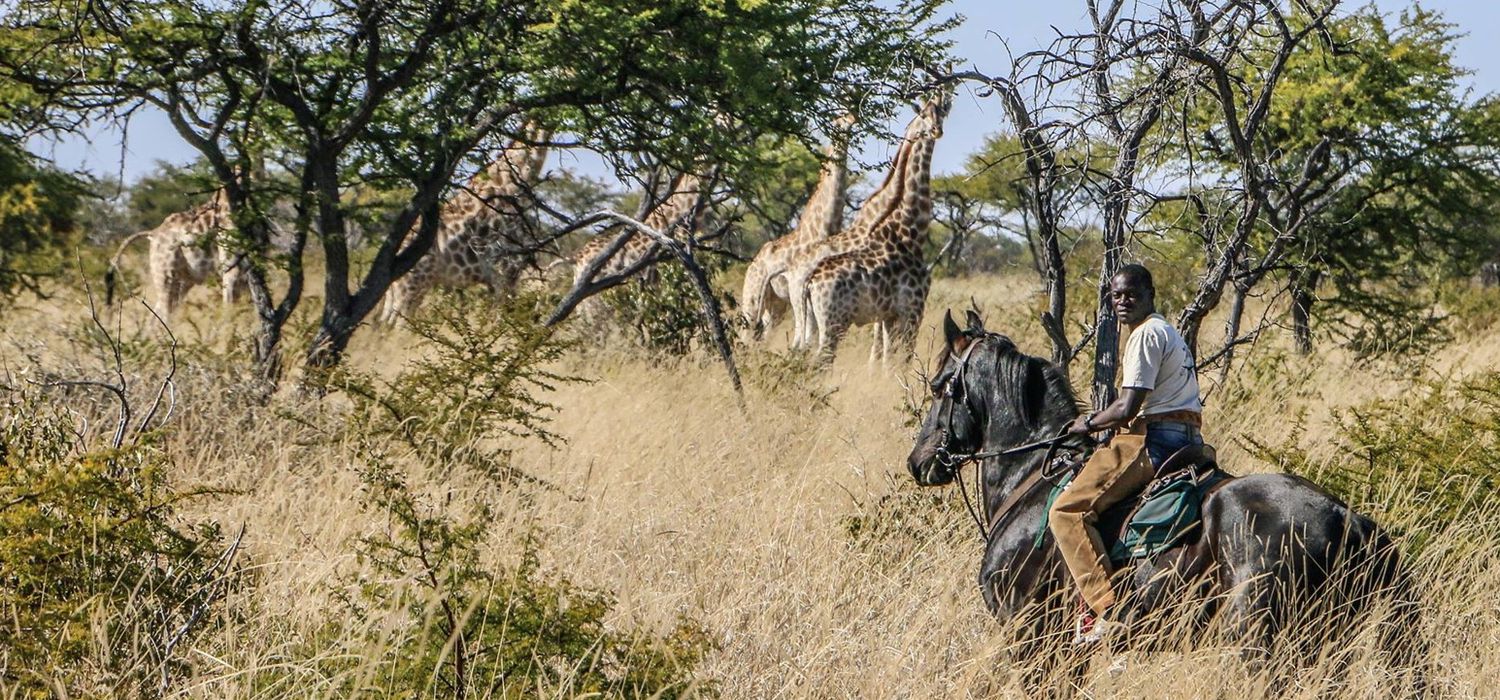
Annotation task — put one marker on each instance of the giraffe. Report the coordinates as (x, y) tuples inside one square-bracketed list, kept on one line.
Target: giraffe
[(764, 300), (678, 209), (474, 226), (180, 256), (884, 281), (878, 205)]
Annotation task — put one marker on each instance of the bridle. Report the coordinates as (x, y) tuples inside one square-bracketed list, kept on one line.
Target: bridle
[(956, 461)]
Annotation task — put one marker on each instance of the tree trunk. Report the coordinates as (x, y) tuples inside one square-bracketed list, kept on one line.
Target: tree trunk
[(327, 348), (1107, 340), (1304, 287), (1232, 328)]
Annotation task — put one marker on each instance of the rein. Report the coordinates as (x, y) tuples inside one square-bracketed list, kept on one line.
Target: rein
[(957, 460)]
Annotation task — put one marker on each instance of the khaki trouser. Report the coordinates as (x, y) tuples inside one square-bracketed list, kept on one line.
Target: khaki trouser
[(1114, 472)]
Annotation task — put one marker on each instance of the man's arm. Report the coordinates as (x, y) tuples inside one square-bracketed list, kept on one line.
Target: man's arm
[(1115, 415)]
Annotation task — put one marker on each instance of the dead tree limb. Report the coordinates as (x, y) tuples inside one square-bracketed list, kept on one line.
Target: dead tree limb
[(586, 286)]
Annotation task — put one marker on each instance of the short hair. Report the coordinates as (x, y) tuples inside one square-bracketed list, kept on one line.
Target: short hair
[(1136, 273)]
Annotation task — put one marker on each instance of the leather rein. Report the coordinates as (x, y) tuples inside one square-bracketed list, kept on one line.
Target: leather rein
[(957, 460)]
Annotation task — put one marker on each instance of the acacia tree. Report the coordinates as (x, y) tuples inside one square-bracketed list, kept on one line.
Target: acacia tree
[(1127, 80), (1389, 174), (38, 212), (399, 94)]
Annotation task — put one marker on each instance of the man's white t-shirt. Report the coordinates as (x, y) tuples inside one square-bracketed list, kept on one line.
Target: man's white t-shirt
[(1158, 359)]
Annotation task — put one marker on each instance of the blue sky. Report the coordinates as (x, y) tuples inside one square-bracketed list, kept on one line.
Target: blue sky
[(1023, 24)]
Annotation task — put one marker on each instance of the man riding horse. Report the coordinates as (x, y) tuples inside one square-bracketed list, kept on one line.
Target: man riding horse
[(1249, 557), (1158, 413)]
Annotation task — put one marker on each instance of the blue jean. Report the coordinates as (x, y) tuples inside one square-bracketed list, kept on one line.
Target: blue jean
[(1166, 437)]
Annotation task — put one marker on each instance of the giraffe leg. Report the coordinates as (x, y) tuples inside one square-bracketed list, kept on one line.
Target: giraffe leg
[(234, 283), (885, 345), (831, 329), (832, 322), (161, 282), (905, 340), (875, 344), (796, 294), (175, 290)]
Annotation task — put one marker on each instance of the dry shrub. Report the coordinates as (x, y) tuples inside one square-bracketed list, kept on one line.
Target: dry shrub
[(662, 313), (429, 614)]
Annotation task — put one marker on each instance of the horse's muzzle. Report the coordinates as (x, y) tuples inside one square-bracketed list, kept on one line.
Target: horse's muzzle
[(928, 470)]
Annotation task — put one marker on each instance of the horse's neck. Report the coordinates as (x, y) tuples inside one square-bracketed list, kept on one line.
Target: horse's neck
[(1003, 476)]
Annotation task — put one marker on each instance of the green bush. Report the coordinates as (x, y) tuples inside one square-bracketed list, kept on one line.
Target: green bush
[(1419, 461), (101, 585), (474, 629), (431, 616), (480, 382), (664, 313)]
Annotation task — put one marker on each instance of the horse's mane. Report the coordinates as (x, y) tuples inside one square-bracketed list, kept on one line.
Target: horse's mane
[(1033, 390)]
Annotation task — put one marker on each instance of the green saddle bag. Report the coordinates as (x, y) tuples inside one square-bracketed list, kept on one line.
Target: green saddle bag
[(1168, 515)]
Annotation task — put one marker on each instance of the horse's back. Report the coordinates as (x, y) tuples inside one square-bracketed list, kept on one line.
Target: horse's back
[(1279, 538)]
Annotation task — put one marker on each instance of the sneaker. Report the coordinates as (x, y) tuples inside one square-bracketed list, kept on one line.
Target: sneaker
[(1084, 629), (1091, 630)]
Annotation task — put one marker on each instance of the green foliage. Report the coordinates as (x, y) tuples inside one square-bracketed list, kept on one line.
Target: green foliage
[(1424, 458), (663, 312), (399, 95), (38, 206), (771, 191), (103, 586), (1377, 143), (466, 626), (480, 383), (996, 172)]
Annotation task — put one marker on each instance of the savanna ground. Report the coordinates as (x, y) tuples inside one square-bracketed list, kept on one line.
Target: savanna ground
[(786, 531)]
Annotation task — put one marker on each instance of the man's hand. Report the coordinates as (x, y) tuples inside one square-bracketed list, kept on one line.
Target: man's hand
[(1081, 425)]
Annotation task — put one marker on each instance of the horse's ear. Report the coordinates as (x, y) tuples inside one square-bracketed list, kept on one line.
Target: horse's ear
[(976, 325), (954, 337)]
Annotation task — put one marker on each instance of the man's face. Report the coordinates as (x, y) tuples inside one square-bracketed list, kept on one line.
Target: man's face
[(1133, 302)]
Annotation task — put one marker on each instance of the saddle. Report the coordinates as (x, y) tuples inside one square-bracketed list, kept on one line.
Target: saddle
[(1166, 513)]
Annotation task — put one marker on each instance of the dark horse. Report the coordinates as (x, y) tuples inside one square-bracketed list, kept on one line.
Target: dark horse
[(1270, 545)]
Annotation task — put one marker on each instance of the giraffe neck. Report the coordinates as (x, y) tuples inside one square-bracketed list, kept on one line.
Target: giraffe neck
[(213, 214), (496, 190), (881, 202), (915, 211), (676, 206), (519, 165), (824, 211)]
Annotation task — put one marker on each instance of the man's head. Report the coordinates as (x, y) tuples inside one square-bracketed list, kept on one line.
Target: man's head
[(1132, 294)]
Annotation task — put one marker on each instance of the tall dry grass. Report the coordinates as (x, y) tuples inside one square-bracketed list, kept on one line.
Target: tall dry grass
[(762, 523)]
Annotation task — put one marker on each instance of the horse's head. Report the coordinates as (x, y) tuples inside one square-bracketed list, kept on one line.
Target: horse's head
[(984, 389), (951, 427)]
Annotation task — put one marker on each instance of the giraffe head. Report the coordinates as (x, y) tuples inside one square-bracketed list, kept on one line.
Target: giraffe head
[(522, 159), (931, 114)]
